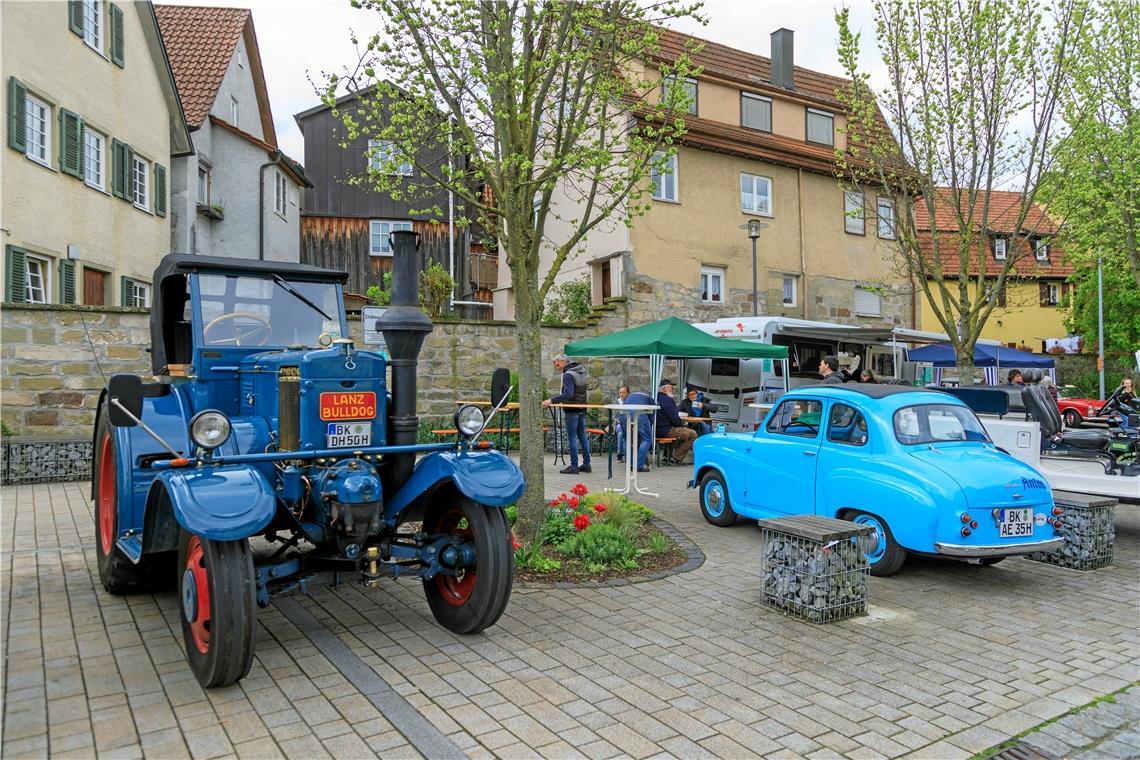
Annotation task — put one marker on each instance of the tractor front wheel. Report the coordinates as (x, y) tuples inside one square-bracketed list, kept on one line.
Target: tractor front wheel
[(219, 615), (474, 597)]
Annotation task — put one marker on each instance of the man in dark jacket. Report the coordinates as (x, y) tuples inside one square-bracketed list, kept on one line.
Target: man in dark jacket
[(644, 429), (670, 424), (828, 370), (573, 392)]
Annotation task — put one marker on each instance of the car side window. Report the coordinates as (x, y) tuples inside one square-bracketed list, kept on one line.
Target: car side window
[(846, 425), (799, 417)]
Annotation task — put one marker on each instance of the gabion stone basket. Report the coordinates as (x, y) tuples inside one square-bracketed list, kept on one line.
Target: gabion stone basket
[(814, 568), (1088, 525), (27, 461)]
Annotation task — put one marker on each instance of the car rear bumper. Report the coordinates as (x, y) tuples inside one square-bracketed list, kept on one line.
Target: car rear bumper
[(1000, 550)]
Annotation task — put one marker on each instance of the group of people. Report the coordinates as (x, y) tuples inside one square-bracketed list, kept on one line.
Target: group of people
[(831, 373)]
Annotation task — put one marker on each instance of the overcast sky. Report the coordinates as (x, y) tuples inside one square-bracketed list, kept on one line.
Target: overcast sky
[(301, 39)]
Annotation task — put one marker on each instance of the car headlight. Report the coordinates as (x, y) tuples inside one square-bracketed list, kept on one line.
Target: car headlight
[(469, 420), (210, 429)]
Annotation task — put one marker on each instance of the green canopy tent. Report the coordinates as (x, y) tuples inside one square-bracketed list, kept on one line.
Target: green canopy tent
[(672, 338)]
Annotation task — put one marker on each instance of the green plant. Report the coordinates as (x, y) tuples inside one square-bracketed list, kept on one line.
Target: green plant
[(601, 544), (658, 544), (530, 558), (436, 286), (381, 294), (616, 510), (5, 429), (569, 302), (558, 526), (512, 513)]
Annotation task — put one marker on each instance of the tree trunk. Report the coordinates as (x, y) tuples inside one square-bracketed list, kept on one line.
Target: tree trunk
[(964, 361), (532, 390)]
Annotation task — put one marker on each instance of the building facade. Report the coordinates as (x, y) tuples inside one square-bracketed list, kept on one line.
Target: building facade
[(1031, 307), (760, 145), (93, 122), (237, 195)]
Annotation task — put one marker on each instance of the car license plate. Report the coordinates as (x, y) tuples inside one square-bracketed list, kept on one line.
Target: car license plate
[(343, 435), (1015, 523)]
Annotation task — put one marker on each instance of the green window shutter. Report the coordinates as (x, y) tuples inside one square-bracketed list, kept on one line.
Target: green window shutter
[(17, 115), (129, 172), (159, 189), (118, 47), (125, 288), (66, 281), (70, 143), (118, 169), (15, 265), (75, 16)]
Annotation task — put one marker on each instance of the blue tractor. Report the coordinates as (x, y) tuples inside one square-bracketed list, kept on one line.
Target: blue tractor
[(265, 422)]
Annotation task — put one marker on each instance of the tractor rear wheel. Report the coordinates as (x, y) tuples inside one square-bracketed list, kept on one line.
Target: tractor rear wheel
[(118, 574), (219, 615), (476, 596)]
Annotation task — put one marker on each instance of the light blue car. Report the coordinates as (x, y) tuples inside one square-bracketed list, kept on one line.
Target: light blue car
[(915, 465)]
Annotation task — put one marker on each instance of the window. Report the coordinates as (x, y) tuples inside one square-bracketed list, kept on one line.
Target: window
[(240, 58), (868, 303), (853, 220), (663, 178), (140, 186), (379, 230), (233, 110), (798, 417), (790, 290), (1001, 248), (755, 112), (756, 194), (820, 127), (36, 282), (846, 425), (930, 423), (687, 96), (886, 219), (94, 159), (382, 153), (712, 284), (280, 194), (1040, 249), (93, 24), (136, 295), (536, 207), (37, 130), (203, 185), (1050, 293)]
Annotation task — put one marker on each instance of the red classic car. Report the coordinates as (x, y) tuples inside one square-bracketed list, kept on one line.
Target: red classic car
[(1075, 408)]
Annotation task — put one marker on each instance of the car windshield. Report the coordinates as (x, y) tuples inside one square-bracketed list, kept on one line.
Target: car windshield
[(933, 423), (1069, 391), (266, 311)]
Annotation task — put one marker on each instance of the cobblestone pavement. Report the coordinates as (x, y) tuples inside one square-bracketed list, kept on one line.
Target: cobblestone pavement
[(953, 658), (1108, 730)]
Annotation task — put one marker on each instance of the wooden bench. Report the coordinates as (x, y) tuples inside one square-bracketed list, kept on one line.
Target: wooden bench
[(664, 446)]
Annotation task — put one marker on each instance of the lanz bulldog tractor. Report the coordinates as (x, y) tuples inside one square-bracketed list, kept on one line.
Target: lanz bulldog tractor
[(266, 422)]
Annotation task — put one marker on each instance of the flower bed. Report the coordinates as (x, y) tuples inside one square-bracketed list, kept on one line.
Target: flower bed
[(593, 537)]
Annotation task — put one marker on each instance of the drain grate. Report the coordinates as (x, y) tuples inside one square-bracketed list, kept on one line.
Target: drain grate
[(1018, 752)]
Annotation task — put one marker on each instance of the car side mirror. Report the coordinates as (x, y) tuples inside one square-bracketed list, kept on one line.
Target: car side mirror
[(500, 385), (721, 428), (124, 400)]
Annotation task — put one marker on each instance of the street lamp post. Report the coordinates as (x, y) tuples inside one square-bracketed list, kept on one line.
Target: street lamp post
[(754, 226)]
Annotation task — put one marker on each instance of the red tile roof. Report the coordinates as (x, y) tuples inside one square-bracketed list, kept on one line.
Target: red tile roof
[(1003, 212), (200, 42)]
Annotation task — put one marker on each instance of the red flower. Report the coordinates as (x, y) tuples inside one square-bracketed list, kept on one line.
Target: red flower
[(581, 522), (573, 502), (562, 497), (580, 490), (599, 508), (554, 502), (515, 542)]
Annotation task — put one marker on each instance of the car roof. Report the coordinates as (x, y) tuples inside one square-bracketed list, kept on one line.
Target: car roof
[(870, 390)]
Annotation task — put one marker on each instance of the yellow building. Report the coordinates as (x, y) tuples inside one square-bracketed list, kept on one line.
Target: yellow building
[(93, 121), (760, 146), (1030, 309)]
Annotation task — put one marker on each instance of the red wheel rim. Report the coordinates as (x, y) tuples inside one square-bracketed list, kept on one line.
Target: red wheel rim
[(455, 589), (106, 496), (196, 608)]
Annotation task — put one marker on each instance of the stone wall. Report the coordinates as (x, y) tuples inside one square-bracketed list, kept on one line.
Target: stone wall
[(55, 359)]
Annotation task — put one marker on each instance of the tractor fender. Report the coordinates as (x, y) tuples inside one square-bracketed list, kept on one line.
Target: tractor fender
[(487, 477), (219, 503)]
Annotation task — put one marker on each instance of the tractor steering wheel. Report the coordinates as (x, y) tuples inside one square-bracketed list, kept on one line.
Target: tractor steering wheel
[(256, 334)]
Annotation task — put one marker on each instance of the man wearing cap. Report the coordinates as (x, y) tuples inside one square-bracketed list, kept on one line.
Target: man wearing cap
[(670, 424), (573, 392)]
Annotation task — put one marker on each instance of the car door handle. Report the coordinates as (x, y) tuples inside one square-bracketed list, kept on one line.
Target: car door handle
[(809, 453)]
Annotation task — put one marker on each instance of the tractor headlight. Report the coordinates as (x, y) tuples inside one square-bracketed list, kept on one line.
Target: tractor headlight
[(209, 429), (469, 420)]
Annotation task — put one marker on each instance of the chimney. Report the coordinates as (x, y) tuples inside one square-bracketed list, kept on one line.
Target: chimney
[(782, 58), (405, 327)]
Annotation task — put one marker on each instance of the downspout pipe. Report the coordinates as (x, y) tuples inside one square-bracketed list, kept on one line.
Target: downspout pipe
[(405, 327), (261, 205)]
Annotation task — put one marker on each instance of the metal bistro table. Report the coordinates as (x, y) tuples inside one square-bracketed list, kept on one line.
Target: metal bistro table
[(631, 412)]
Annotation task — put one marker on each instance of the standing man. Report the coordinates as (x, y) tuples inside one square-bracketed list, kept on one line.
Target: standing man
[(828, 367), (573, 392), (670, 425)]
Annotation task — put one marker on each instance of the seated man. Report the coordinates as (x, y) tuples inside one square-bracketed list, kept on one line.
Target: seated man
[(694, 406), (670, 424)]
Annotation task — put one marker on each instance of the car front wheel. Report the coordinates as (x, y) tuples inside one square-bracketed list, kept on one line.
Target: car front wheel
[(714, 500), (884, 555), (1072, 418)]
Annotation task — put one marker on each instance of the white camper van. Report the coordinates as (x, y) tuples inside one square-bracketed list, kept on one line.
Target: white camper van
[(733, 384)]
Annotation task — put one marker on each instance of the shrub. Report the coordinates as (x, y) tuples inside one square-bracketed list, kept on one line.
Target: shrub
[(381, 295), (435, 289), (512, 514), (601, 544), (558, 527), (530, 558), (570, 302)]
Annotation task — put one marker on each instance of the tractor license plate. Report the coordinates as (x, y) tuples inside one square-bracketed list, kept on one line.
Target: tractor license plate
[(1015, 523), (348, 406), (343, 435)]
